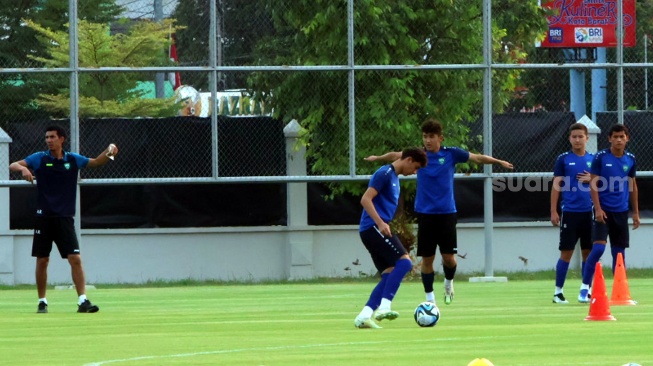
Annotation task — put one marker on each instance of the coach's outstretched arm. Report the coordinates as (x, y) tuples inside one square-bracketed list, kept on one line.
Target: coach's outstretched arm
[(104, 157)]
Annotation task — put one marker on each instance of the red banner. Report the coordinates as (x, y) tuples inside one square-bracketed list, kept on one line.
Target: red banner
[(588, 23)]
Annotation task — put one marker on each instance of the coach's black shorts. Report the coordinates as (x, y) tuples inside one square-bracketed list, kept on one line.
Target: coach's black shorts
[(385, 250), (575, 226), (435, 230), (60, 230), (616, 227)]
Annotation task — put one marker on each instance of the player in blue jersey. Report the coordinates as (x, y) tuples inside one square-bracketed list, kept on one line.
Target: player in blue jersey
[(388, 253), (435, 205), (612, 187), (56, 172), (571, 181)]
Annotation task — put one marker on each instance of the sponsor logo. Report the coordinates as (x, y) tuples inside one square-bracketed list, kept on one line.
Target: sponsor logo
[(588, 35), (555, 35)]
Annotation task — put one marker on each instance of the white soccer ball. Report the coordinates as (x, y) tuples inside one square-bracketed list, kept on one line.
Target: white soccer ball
[(631, 364), (427, 314)]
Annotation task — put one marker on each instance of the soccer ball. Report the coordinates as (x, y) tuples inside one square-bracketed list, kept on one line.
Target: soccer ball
[(427, 314)]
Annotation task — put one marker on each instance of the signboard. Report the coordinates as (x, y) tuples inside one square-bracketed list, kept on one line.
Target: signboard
[(588, 23)]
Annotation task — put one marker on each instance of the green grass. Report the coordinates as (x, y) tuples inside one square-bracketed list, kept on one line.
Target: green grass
[(511, 323)]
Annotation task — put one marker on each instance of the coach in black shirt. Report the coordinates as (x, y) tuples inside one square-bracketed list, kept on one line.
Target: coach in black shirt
[(56, 172)]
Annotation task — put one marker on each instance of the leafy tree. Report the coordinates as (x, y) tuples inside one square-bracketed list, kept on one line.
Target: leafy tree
[(390, 106), (108, 94), (17, 42)]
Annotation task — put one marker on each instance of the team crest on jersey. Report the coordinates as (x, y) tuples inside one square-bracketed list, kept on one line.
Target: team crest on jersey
[(441, 161), (625, 168), (589, 164), (67, 166)]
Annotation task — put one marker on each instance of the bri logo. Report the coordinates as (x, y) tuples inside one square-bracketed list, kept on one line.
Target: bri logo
[(555, 35), (588, 35)]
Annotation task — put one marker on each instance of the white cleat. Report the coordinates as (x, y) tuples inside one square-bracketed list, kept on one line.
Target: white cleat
[(386, 314), (560, 299), (365, 323), (448, 294)]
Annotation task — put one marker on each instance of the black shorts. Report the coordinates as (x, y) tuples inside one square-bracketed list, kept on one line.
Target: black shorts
[(575, 226), (385, 250), (435, 230), (60, 230), (616, 227)]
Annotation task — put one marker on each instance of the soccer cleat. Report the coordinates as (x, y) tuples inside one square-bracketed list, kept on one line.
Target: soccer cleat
[(365, 323), (87, 307), (386, 314), (583, 297), (43, 307), (560, 299), (448, 294)]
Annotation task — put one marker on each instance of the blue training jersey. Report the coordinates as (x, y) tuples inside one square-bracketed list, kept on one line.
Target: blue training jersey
[(575, 195), (56, 181), (435, 181), (613, 185), (386, 183)]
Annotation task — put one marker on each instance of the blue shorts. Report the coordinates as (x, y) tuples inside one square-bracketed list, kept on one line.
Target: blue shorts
[(385, 250), (575, 226), (435, 230), (616, 227)]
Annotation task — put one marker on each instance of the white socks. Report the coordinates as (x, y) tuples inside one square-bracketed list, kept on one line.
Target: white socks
[(366, 313)]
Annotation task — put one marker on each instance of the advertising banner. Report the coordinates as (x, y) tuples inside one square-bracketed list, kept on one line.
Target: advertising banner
[(588, 23)]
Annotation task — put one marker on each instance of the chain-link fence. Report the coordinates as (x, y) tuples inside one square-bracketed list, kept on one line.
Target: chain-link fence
[(201, 90)]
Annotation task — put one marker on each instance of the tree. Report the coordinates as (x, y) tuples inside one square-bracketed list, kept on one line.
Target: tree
[(390, 106), (17, 42), (108, 94)]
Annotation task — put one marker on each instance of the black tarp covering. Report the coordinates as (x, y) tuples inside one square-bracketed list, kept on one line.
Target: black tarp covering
[(640, 127), (255, 146)]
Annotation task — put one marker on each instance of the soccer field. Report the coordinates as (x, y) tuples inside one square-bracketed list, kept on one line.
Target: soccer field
[(511, 323)]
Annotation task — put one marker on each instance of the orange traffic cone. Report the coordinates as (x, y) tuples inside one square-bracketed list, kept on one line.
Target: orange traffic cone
[(620, 291), (599, 307)]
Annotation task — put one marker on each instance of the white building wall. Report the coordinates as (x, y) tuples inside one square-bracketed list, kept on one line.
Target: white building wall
[(264, 253)]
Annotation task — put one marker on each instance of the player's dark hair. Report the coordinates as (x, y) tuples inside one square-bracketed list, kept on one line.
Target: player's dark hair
[(432, 125), (579, 126), (60, 130), (619, 128), (417, 154)]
